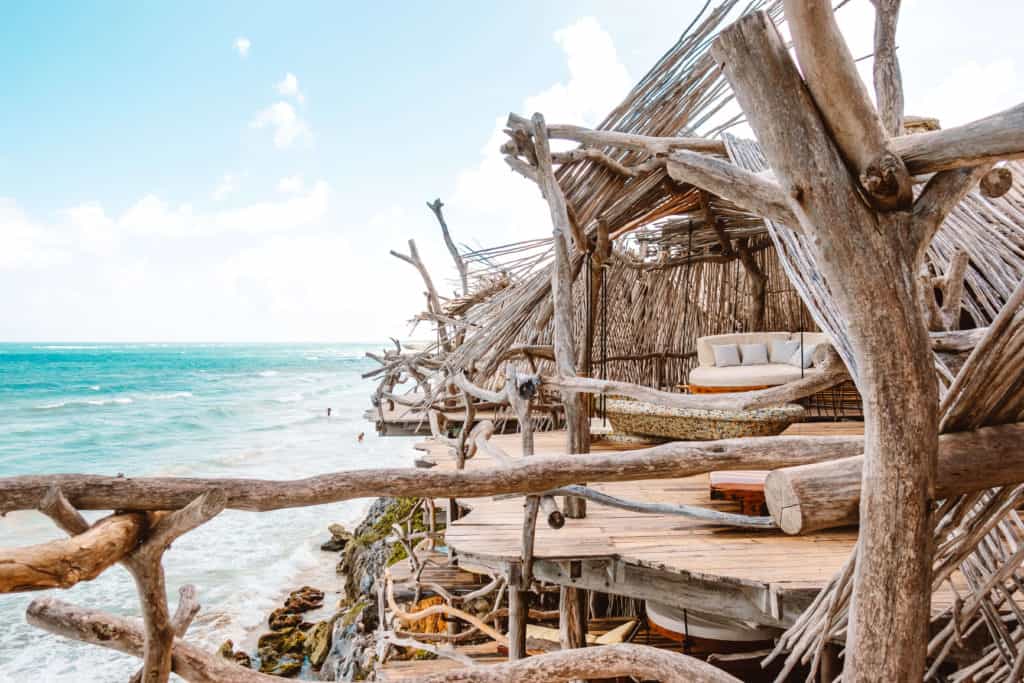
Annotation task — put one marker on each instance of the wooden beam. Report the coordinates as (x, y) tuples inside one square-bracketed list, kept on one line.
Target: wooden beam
[(987, 140), (527, 475), (818, 496)]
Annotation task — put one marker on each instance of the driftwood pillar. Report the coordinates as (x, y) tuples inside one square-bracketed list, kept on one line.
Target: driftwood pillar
[(577, 422), (851, 193), (572, 617)]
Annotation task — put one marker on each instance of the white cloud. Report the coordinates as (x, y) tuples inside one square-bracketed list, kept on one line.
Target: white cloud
[(153, 216), (289, 87), (242, 45), (26, 244), (227, 185), (490, 194), (969, 92), (290, 184), (288, 126)]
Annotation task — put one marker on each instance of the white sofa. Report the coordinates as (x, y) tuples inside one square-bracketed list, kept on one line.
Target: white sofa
[(711, 378)]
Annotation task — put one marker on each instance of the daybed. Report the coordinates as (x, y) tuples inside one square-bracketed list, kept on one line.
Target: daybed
[(710, 377)]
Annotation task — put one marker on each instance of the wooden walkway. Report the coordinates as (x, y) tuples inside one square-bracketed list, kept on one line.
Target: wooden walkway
[(761, 576)]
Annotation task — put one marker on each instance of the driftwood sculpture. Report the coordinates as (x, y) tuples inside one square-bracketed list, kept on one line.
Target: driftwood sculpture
[(853, 208)]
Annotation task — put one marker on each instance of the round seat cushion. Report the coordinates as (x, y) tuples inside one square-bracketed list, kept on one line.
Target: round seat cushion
[(765, 375)]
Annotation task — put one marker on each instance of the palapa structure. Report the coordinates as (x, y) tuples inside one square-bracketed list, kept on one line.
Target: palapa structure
[(901, 241)]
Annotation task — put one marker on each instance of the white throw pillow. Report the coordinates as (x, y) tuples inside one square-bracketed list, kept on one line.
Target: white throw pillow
[(808, 357), (726, 355), (782, 351), (754, 354)]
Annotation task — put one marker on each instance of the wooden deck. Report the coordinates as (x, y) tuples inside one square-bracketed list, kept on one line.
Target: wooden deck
[(405, 421), (761, 576)]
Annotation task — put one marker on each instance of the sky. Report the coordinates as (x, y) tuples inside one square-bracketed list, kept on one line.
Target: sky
[(238, 171)]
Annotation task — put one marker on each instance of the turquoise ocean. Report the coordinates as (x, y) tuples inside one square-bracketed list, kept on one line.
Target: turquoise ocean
[(218, 410)]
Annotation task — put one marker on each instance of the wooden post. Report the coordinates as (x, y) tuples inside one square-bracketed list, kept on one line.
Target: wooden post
[(517, 614), (572, 617), (577, 422)]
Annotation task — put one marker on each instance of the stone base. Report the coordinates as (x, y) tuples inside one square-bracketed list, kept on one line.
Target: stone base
[(695, 424)]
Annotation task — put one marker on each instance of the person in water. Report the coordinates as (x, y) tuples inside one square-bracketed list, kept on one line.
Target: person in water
[(328, 412)]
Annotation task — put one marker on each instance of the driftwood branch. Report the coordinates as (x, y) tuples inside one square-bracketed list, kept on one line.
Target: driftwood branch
[(188, 608), (886, 67), (942, 193), (749, 190), (993, 138), (65, 562), (145, 564), (436, 206), (839, 93), (433, 301), (525, 475), (125, 635), (831, 374), (606, 661)]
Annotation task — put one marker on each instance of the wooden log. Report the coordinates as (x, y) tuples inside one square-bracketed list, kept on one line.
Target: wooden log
[(65, 562), (125, 635), (527, 475), (990, 139), (607, 661), (808, 498), (996, 182)]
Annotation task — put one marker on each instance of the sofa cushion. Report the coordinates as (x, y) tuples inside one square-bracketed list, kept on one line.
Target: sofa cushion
[(726, 355), (767, 375), (753, 354), (804, 357), (706, 356), (782, 351)]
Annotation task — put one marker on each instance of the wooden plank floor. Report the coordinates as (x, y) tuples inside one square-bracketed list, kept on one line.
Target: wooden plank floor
[(676, 545)]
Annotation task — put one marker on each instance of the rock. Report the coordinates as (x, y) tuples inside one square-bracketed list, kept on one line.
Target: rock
[(227, 649), (318, 643), (281, 666), (339, 538), (281, 642), (304, 599), (283, 618)]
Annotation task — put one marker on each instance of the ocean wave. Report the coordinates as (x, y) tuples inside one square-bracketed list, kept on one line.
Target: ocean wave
[(120, 400), (94, 387), (268, 373), (290, 398), (71, 347), (170, 396)]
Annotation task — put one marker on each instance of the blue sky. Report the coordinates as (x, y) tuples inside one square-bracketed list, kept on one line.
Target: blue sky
[(158, 184)]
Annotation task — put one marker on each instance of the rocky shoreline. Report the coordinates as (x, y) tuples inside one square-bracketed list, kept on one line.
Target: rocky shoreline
[(340, 647)]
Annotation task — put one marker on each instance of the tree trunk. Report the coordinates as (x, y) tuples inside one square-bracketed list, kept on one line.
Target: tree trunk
[(869, 259)]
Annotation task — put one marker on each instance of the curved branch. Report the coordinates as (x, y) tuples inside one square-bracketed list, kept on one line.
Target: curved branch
[(692, 511)]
